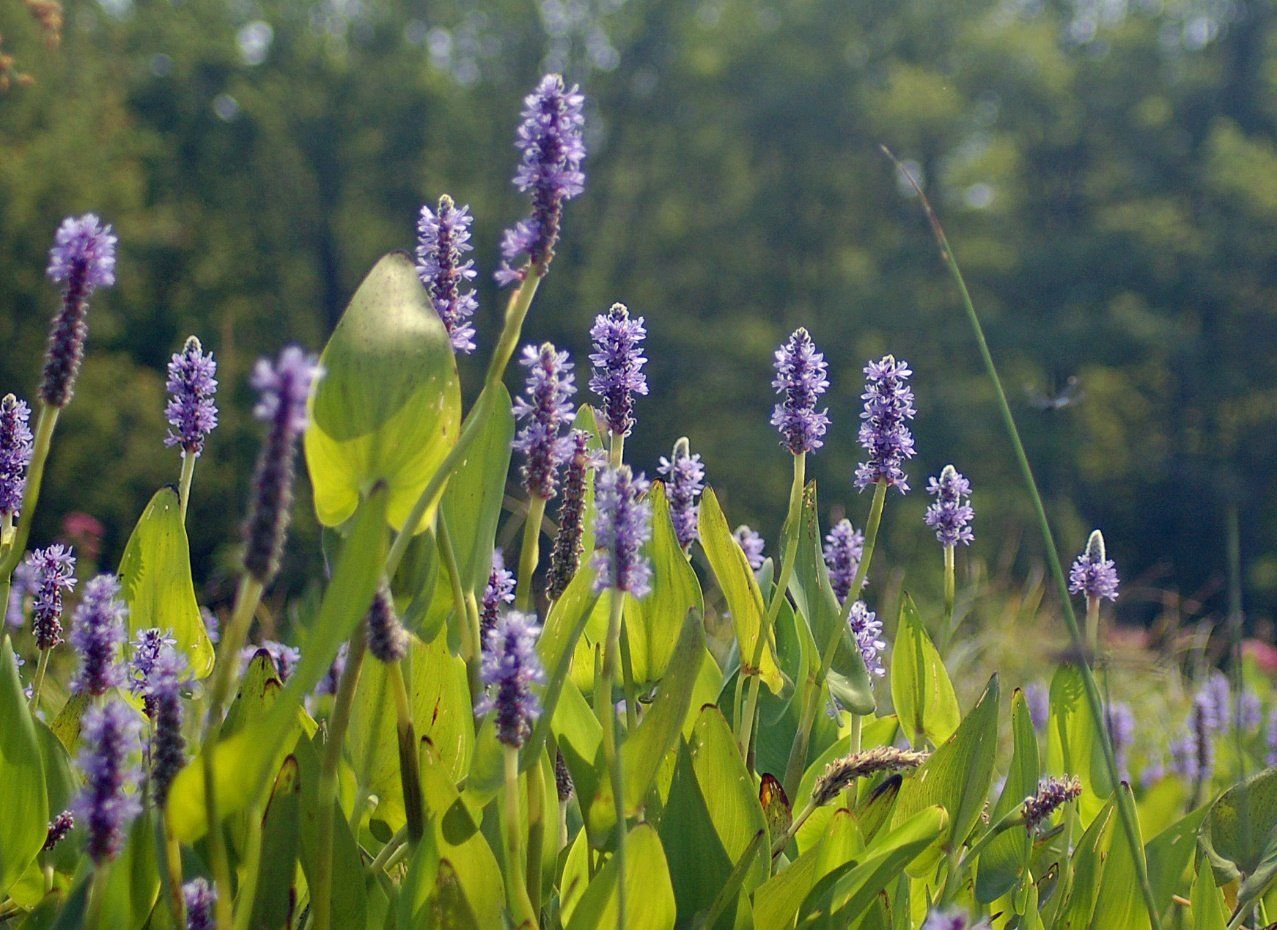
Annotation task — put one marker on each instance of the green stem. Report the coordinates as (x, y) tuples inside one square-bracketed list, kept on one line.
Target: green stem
[(611, 742), (793, 521), (516, 312), (536, 830), (516, 888), (779, 845), (251, 869), (42, 666), (813, 686), (471, 648), (627, 681), (392, 845), (854, 741), (184, 483), (409, 772), (97, 893), (173, 873), (957, 865), (950, 596), (529, 553), (1126, 806), (1093, 626), (326, 798)]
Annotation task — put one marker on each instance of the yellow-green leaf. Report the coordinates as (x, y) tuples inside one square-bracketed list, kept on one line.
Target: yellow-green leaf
[(26, 804), (920, 687)]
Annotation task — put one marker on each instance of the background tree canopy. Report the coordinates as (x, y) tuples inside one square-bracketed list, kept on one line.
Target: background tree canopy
[(1107, 170)]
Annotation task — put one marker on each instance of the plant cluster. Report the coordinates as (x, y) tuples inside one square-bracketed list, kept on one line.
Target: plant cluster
[(570, 744)]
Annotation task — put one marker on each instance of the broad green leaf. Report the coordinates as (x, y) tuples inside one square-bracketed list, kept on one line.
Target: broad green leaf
[(1121, 904), (133, 885), (155, 580), (61, 783), (26, 804), (658, 732), (244, 761), (1208, 901), (920, 687), (842, 902), (648, 893), (348, 897), (1074, 745), (388, 407), (276, 894), (710, 818), (1005, 860), (740, 588), (958, 774), (777, 900), (1170, 853), (439, 695), (817, 604), (258, 689), (1240, 831), (653, 623), (578, 735), (1088, 868)]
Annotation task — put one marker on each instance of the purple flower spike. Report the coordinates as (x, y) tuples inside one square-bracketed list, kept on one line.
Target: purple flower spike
[(545, 408), (1121, 726), (59, 827), (1250, 711), (751, 543), (565, 557), (499, 590), (844, 548), (443, 238), (867, 630), (511, 667), (684, 480), (623, 524), (15, 454), (200, 898), (1038, 700), (1215, 698), (52, 572), (163, 698), (800, 380), (1052, 794), (551, 150), (618, 362), (83, 259), (146, 653), (951, 920), (1092, 574), (282, 392), (951, 513), (884, 428), (97, 633), (191, 412), (387, 639), (105, 805)]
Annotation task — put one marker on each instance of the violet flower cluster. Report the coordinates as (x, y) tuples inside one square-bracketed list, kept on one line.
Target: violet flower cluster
[(82, 260), (952, 919), (618, 360), (545, 407), (443, 238), (499, 590), (1120, 722), (387, 639), (866, 628), (283, 387), (800, 380), (15, 454), (951, 513), (162, 695), (97, 633), (684, 476), (565, 555), (751, 543), (62, 824), (51, 574), (1038, 700), (191, 410), (623, 525), (511, 666), (1092, 574), (108, 802), (201, 899), (844, 548), (1052, 794), (884, 427), (551, 150), (147, 648)]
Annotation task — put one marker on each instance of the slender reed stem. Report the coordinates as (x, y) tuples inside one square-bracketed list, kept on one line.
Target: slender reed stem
[(611, 742), (854, 740), (529, 553), (184, 483), (516, 888), (471, 648), (950, 595), (627, 678), (779, 845), (42, 667), (321, 893), (1093, 626), (392, 845), (1125, 806), (791, 532)]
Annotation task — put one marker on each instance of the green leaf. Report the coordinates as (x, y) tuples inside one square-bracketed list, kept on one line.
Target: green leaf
[(817, 604), (657, 734), (653, 623), (1074, 745), (1088, 869), (1170, 853), (133, 885), (648, 893), (710, 818), (776, 902), (578, 735), (276, 893), (740, 588), (1121, 903), (257, 692), (958, 774), (388, 407), (244, 761), (1006, 859), (26, 804), (155, 579), (349, 900), (1240, 828), (920, 687), (1208, 901)]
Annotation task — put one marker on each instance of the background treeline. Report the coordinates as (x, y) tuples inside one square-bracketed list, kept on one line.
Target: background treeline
[(1106, 168)]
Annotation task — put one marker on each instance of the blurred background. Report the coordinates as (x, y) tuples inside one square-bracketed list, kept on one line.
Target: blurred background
[(1106, 169)]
